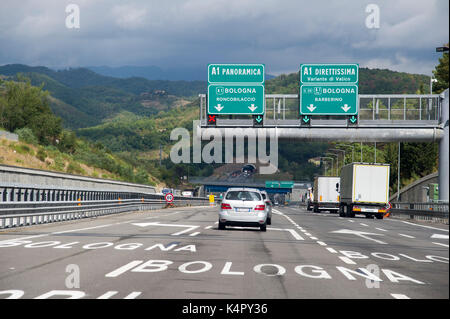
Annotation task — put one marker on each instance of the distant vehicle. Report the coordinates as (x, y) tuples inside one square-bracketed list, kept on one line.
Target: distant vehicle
[(187, 194), (364, 189), (326, 197), (309, 199), (177, 192), (243, 207), (167, 190), (249, 168), (268, 206)]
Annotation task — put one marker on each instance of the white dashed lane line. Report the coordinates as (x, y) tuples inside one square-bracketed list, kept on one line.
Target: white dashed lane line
[(400, 296), (194, 234), (407, 236)]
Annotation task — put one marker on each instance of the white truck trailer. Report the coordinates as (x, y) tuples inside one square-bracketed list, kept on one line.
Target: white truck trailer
[(326, 196), (364, 189)]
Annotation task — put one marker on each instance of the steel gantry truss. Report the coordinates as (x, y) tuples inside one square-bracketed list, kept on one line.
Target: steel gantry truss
[(381, 118)]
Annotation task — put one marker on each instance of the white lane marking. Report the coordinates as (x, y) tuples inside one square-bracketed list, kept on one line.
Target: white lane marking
[(82, 229), (381, 229), (407, 236), (331, 250), (441, 229), (439, 236), (360, 234), (308, 234), (133, 295), (108, 295), (189, 227), (364, 224), (313, 238), (321, 243), (441, 244), (208, 227), (400, 296), (351, 221), (194, 234), (293, 233), (124, 268), (347, 260)]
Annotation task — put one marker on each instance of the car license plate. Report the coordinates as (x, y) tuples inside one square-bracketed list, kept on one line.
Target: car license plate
[(370, 210), (243, 210)]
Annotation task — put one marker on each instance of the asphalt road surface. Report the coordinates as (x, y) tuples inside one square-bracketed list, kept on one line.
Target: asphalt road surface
[(180, 253)]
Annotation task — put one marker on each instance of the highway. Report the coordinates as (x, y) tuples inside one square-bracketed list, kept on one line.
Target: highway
[(180, 253)]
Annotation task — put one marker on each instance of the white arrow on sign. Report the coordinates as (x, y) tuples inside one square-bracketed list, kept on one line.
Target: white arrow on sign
[(360, 234), (346, 107), (439, 236), (252, 107), (189, 227), (219, 107), (311, 107)]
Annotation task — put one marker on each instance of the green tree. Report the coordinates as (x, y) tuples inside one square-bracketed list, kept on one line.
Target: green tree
[(441, 74), (24, 105)]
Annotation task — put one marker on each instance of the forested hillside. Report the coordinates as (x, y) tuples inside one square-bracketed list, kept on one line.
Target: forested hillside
[(133, 118), (45, 144)]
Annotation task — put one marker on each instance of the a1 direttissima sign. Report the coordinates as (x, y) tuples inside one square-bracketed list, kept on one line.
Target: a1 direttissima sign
[(329, 89)]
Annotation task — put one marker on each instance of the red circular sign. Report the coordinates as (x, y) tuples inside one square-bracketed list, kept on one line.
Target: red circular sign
[(169, 197)]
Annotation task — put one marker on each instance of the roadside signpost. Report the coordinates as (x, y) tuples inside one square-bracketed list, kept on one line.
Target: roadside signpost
[(236, 89), (169, 197), (328, 89)]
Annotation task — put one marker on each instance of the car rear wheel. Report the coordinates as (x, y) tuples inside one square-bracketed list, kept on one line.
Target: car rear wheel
[(263, 227), (269, 220), (221, 226)]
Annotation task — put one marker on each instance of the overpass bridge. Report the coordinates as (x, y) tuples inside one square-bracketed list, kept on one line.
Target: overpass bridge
[(381, 118)]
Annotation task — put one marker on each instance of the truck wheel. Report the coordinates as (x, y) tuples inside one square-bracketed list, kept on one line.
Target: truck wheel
[(379, 216), (316, 209), (349, 211), (341, 211)]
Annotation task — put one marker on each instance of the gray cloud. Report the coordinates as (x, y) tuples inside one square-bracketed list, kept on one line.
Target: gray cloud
[(281, 34)]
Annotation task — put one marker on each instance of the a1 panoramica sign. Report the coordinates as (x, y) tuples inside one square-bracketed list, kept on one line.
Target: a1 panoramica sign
[(236, 89), (329, 89)]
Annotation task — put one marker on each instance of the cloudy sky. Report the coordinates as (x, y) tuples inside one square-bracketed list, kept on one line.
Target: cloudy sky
[(281, 34)]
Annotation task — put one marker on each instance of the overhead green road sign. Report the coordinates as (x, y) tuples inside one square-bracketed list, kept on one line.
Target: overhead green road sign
[(236, 73), (279, 184), (272, 184), (287, 184), (329, 73), (328, 99), (236, 99)]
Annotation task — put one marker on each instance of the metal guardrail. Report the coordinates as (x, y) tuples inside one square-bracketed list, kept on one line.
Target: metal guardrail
[(432, 212)]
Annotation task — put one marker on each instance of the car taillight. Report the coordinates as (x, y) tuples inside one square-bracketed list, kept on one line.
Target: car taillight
[(260, 207), (225, 206)]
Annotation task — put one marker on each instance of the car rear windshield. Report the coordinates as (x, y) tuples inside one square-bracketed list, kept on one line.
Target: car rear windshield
[(243, 195)]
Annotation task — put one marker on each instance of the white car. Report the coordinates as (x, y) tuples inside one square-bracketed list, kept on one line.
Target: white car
[(268, 206), (243, 207)]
